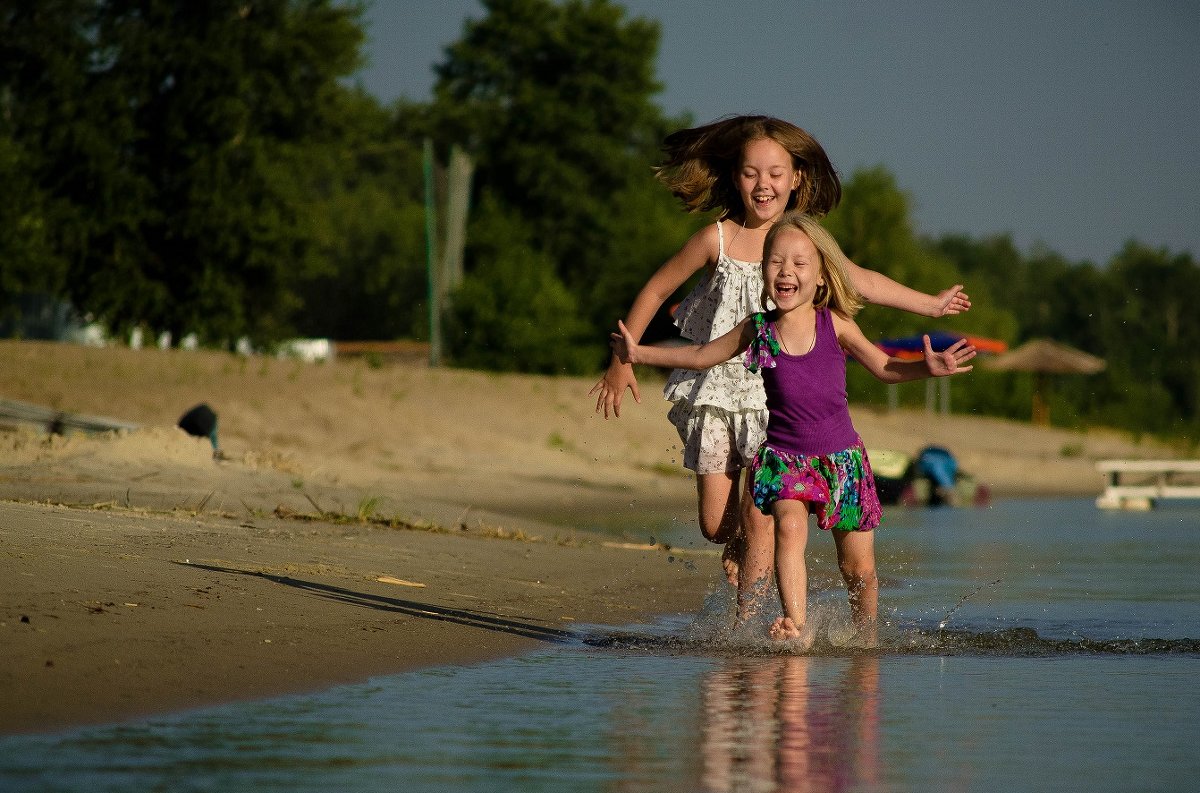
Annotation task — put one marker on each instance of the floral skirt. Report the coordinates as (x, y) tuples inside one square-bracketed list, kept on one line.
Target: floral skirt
[(839, 487)]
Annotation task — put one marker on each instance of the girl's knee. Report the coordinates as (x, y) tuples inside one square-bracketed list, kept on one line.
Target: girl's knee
[(856, 558), (717, 533), (720, 530), (790, 517), (791, 527)]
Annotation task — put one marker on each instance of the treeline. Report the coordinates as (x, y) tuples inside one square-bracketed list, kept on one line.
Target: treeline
[(1133, 312), (208, 169)]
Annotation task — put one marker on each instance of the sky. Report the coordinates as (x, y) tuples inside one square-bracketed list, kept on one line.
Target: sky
[(1068, 124)]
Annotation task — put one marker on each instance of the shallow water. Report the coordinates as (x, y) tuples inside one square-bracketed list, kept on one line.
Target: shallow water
[(1035, 645)]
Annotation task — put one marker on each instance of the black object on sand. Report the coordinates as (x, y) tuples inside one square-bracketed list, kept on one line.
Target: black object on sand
[(201, 421)]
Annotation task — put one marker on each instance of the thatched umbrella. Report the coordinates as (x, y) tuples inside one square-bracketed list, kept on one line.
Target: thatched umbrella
[(1045, 357)]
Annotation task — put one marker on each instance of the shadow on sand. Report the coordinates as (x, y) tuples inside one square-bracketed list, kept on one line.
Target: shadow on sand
[(411, 608)]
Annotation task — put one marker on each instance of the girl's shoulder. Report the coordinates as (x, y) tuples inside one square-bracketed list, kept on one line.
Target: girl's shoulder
[(698, 252), (841, 322), (706, 242), (709, 235)]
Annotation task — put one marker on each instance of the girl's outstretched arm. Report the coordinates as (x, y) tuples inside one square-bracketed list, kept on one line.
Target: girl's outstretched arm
[(693, 356), (695, 253), (877, 288), (890, 369)]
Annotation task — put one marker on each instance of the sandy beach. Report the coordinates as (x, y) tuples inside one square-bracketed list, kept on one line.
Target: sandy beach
[(364, 519)]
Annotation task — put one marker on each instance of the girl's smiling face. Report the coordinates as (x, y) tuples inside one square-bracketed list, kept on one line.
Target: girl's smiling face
[(765, 180), (792, 270)]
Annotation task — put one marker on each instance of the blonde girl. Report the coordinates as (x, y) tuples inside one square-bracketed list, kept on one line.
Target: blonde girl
[(812, 460)]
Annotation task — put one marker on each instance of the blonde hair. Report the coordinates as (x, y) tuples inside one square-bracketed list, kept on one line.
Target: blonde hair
[(699, 165), (839, 294)]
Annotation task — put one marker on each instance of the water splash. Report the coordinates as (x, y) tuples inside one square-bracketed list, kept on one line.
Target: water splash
[(713, 635), (715, 629), (946, 619)]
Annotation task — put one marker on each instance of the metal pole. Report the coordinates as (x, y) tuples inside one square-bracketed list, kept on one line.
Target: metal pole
[(435, 318)]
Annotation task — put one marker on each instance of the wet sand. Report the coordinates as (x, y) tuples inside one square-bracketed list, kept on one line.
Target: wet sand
[(363, 520)]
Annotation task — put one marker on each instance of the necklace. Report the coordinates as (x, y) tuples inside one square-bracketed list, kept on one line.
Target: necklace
[(779, 338)]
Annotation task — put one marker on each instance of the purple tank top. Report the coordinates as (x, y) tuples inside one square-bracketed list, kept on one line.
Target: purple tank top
[(809, 413)]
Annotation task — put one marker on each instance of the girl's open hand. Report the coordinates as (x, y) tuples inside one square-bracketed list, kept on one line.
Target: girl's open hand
[(610, 389), (949, 361), (952, 301)]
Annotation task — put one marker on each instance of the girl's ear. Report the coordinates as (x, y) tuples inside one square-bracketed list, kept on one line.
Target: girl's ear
[(797, 177)]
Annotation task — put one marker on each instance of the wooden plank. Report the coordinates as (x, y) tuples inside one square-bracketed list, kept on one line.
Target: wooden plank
[(393, 351), (1154, 491)]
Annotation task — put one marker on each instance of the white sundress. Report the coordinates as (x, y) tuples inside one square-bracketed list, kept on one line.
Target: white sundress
[(727, 294)]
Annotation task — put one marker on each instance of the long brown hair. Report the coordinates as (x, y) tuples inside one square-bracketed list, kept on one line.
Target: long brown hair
[(700, 162)]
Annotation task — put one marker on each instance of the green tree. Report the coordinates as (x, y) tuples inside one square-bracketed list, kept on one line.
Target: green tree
[(992, 268), (59, 127), (1154, 321), (29, 261), (553, 103), (160, 127), (647, 231), (873, 224), (512, 312), (1131, 313), (362, 275)]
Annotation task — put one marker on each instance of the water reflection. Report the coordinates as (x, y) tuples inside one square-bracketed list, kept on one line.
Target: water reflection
[(769, 726)]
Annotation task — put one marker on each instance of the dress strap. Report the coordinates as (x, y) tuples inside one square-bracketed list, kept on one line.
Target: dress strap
[(720, 239), (826, 335)]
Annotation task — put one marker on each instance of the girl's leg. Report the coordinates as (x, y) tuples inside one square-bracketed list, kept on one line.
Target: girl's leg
[(749, 555), (757, 557), (719, 515), (791, 573), (718, 505), (856, 559)]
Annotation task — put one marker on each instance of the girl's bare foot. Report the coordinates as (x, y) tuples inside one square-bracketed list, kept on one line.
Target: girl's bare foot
[(785, 629), (731, 557)]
